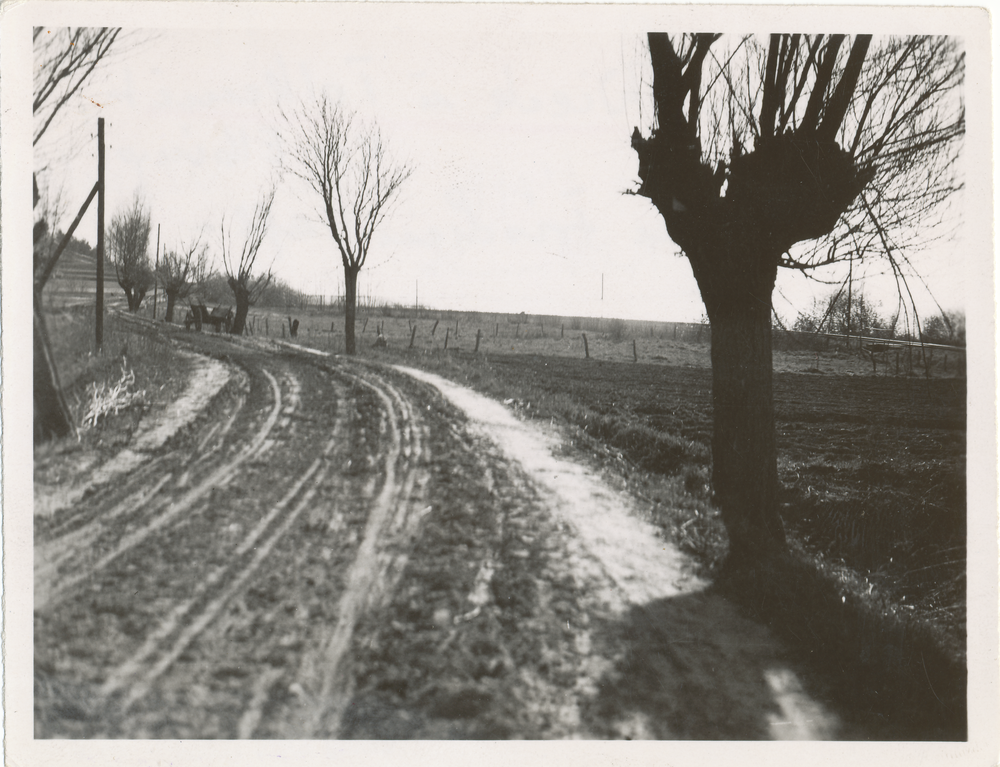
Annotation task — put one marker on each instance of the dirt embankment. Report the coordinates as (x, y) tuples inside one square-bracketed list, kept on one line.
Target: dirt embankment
[(334, 549)]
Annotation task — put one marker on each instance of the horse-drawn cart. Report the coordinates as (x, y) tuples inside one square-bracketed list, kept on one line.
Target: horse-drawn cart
[(220, 318)]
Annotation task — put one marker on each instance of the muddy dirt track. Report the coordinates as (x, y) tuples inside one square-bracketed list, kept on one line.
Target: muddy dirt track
[(312, 547)]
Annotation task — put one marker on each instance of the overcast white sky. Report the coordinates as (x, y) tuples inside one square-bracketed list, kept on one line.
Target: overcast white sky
[(515, 120)]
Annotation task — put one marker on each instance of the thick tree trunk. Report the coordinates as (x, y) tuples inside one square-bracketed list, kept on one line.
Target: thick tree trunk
[(744, 449), (171, 300), (350, 308), (134, 297), (51, 413), (242, 307), (736, 281)]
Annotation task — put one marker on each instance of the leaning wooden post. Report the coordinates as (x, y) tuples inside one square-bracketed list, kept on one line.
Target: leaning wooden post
[(435, 326), (447, 332), (478, 334), (456, 328), (586, 347), (364, 325), (99, 328), (413, 334), (562, 331), (496, 330), (635, 353)]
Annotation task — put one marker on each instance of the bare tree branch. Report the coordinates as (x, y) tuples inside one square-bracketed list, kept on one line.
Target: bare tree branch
[(64, 59)]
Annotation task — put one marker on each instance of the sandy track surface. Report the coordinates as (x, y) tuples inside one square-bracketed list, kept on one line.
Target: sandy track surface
[(306, 547)]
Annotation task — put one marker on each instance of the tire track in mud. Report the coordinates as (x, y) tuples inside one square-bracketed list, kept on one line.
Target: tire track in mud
[(262, 701), (184, 625), (324, 678), (157, 515), (136, 495), (362, 487)]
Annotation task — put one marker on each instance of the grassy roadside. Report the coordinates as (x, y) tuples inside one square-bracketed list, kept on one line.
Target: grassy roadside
[(877, 611), (108, 391)]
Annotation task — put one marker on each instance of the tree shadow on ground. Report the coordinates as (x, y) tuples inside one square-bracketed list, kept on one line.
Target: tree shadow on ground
[(693, 667), (774, 652)]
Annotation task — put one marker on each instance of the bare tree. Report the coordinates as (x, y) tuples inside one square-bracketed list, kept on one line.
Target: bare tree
[(844, 146), (349, 167), (128, 247), (64, 58), (246, 286), (180, 271)]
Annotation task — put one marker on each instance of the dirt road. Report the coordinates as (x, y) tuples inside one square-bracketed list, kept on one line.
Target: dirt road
[(301, 546)]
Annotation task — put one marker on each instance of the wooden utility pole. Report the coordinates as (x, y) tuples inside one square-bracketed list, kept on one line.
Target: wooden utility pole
[(99, 327), (156, 270)]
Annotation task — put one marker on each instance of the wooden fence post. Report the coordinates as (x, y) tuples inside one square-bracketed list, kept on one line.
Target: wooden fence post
[(562, 331), (435, 326), (586, 347), (496, 330), (413, 334), (364, 325), (447, 332), (478, 334), (456, 328), (635, 353)]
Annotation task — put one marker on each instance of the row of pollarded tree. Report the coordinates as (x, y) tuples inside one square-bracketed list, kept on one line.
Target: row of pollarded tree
[(344, 162)]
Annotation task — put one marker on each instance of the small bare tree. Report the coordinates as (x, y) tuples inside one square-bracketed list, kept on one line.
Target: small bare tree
[(180, 271), (239, 266), (348, 166), (128, 246)]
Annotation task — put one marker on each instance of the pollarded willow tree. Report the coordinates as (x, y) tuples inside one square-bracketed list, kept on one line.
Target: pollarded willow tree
[(245, 280), (128, 246), (349, 167), (180, 270), (799, 151)]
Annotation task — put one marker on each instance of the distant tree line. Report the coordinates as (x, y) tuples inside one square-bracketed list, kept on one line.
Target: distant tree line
[(857, 315)]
